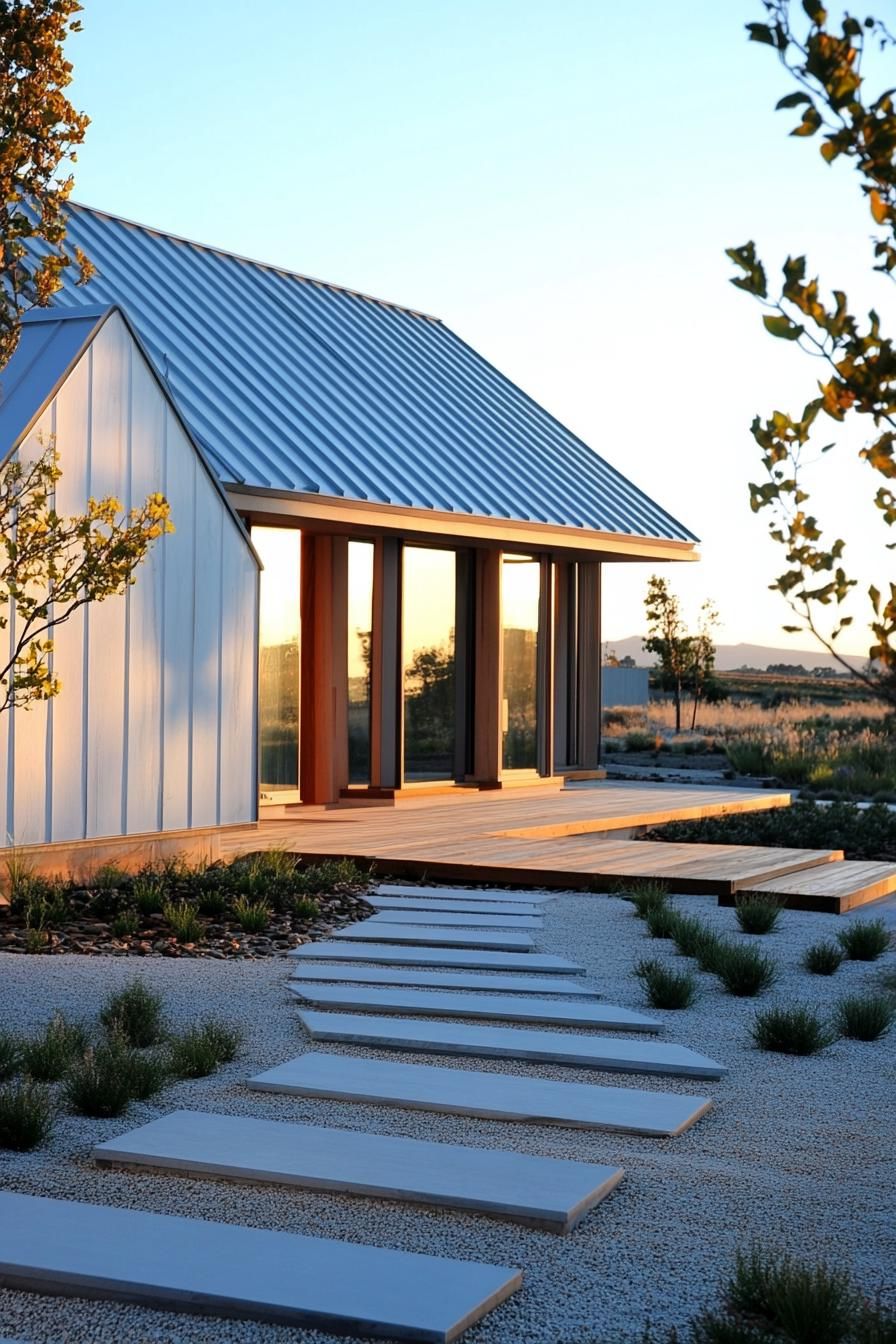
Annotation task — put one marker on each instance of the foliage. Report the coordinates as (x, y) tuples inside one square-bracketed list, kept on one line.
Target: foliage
[(10, 1055), (198, 1051), (661, 921), (791, 1031), (329, 875), (862, 833), (134, 1013), (859, 361), (823, 958), (646, 896), (865, 1017), (148, 893), (26, 1116), (865, 940), (41, 131), (47, 1056), (99, 1083), (684, 662), (757, 914), (252, 916), (305, 908), (693, 938), (183, 921), (126, 924), (844, 761), (51, 565), (665, 987), (744, 971)]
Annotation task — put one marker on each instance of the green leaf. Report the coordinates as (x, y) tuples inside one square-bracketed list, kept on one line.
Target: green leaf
[(782, 327), (760, 32), (809, 124), (792, 100), (816, 12)]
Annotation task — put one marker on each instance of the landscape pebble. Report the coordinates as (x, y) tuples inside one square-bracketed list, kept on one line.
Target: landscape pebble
[(798, 1153)]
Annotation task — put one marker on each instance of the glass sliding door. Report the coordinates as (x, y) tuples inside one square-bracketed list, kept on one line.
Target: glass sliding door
[(520, 600), (429, 615), (360, 623), (278, 665)]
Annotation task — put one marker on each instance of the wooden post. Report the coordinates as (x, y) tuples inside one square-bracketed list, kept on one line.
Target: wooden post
[(545, 669), (488, 654), (589, 726), (323, 733)]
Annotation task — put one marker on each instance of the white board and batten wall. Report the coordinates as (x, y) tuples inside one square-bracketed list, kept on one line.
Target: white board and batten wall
[(155, 726)]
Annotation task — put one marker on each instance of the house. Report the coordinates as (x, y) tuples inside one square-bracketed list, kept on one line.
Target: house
[(385, 573)]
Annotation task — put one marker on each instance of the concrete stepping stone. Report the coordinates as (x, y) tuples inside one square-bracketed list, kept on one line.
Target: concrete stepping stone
[(543, 1192), (397, 975), (184, 1264), (495, 1096), (419, 935), (502, 1007), (448, 907), (438, 919), (545, 1047), (468, 960), (464, 893)]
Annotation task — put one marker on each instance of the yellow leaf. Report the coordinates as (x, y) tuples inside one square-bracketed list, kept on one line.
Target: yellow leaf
[(879, 208)]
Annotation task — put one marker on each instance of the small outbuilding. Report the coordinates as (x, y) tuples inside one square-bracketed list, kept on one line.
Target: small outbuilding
[(385, 574)]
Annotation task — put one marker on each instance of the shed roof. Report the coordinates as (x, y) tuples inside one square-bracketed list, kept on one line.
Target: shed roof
[(294, 385)]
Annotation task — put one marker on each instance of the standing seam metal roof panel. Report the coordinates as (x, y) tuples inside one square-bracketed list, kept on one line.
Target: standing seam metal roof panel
[(295, 385)]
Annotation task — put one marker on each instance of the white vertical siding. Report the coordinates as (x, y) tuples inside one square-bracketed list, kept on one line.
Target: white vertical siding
[(155, 726)]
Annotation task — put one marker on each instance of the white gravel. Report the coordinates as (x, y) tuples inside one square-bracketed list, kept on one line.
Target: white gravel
[(798, 1153)]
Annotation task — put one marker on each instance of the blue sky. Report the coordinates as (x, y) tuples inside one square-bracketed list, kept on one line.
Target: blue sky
[(557, 182)]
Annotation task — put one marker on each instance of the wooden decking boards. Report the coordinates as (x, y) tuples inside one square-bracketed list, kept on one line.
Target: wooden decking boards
[(831, 890)]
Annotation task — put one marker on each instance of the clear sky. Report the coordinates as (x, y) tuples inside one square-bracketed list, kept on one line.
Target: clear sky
[(557, 181)]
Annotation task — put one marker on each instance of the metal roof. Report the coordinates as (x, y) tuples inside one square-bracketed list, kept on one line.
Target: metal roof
[(295, 385)]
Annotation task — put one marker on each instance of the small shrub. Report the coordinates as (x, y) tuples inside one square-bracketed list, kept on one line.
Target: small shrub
[(304, 907), (10, 1055), (212, 901), (866, 940), (135, 1014), (109, 877), (823, 958), (198, 1051), (660, 921), (252, 916), (100, 1083), (744, 971), (807, 1305), (183, 921), (328, 876), (147, 1074), (646, 896), (36, 940), (148, 894), (636, 741), (126, 924), (46, 1057), (26, 1116), (757, 914), (865, 1017), (664, 987), (791, 1031), (691, 936)]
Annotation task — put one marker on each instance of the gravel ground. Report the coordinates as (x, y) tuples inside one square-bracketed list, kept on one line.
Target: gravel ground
[(797, 1153)]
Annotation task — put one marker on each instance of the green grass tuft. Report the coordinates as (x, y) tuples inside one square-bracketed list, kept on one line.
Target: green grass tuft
[(183, 921), (660, 921), (865, 1017), (802, 1304), (866, 940), (823, 958), (665, 987), (10, 1055), (646, 896), (757, 914), (305, 907), (99, 1083), (198, 1051), (252, 916), (47, 1057), (744, 971), (791, 1031), (27, 1114), (135, 1013)]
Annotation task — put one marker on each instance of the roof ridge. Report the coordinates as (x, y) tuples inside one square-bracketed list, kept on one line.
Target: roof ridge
[(253, 261)]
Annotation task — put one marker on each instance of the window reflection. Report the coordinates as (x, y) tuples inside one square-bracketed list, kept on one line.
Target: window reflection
[(360, 621), (278, 667), (429, 615), (520, 590)]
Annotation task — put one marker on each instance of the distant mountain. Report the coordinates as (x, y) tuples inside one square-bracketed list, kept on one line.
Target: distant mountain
[(730, 657)]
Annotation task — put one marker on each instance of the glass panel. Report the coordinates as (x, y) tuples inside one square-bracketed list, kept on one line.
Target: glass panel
[(278, 657), (520, 590), (360, 621), (428, 606)]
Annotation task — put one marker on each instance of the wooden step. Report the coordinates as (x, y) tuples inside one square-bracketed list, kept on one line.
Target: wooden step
[(185, 1264), (832, 889)]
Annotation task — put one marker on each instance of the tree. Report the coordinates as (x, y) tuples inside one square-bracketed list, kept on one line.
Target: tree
[(39, 130), (684, 662), (857, 361), (52, 565)]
